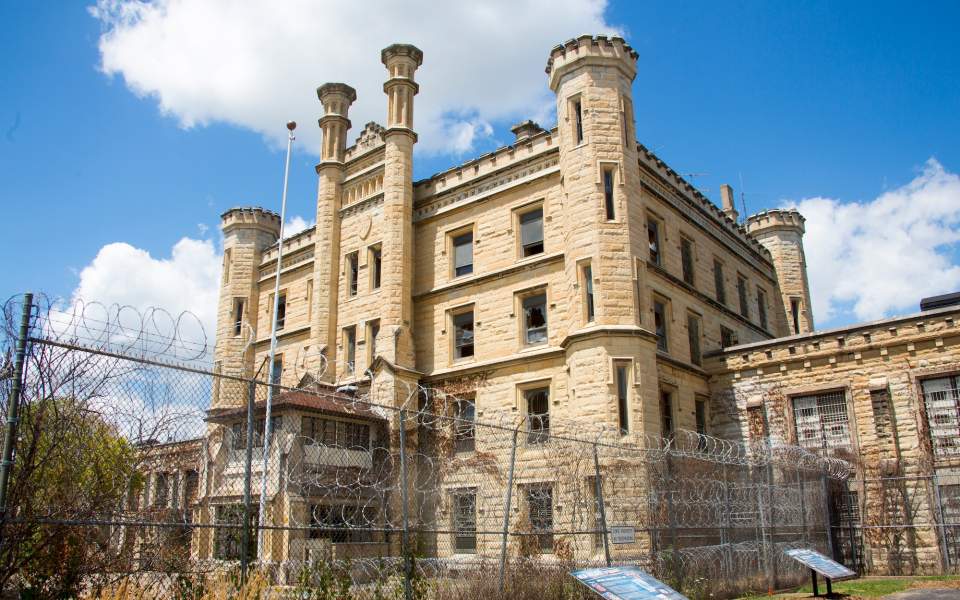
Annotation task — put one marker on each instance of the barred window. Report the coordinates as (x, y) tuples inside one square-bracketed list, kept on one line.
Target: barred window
[(538, 415), (540, 507), (160, 498), (336, 434), (465, 521), (821, 420), (464, 427), (228, 541), (342, 523), (721, 292), (942, 402)]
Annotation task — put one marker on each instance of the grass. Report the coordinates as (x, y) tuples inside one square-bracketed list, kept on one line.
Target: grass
[(868, 587)]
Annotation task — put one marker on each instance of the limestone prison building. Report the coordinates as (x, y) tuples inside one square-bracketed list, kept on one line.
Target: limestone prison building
[(573, 276)]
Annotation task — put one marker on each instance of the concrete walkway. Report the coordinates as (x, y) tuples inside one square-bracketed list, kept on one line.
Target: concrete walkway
[(926, 594)]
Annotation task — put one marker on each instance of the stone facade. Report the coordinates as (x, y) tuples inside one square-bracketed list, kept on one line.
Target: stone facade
[(564, 261), (865, 394)]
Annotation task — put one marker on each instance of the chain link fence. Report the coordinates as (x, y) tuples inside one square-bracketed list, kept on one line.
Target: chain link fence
[(137, 471)]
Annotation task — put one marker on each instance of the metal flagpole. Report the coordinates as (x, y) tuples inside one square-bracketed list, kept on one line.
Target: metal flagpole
[(273, 349)]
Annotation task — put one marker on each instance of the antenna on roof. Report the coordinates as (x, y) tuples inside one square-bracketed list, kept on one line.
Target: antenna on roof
[(692, 176), (743, 195)]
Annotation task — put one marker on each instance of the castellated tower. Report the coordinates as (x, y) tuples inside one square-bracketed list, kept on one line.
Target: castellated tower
[(781, 232), (401, 61), (247, 232), (592, 78), (336, 99)]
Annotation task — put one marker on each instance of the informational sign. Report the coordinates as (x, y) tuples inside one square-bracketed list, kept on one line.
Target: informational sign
[(625, 583), (827, 567), (623, 535)]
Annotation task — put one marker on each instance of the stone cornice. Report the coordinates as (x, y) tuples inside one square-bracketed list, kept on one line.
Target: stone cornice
[(597, 331), (362, 205), (676, 281), (520, 357), (526, 265), (484, 187)]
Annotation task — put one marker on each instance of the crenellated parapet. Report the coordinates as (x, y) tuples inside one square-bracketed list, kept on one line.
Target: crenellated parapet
[(254, 217), (776, 218), (587, 49)]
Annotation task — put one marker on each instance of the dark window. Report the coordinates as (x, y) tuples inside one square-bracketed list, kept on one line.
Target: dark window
[(350, 348), (535, 319), (463, 254), (373, 330), (161, 496), (531, 232), (701, 414), (880, 401), (693, 336), (660, 324), (718, 282), (653, 238), (795, 313), (228, 541), (376, 267), (623, 387), (276, 373), (538, 415), (342, 523), (666, 415), (463, 335), (588, 291), (608, 203), (686, 259), (237, 316), (281, 311), (191, 486), (464, 427), (728, 337), (332, 433), (540, 507), (578, 120), (821, 420), (762, 307), (742, 293), (238, 435), (258, 430), (353, 272), (465, 521)]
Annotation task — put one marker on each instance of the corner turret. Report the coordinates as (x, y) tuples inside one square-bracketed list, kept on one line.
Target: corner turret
[(781, 232)]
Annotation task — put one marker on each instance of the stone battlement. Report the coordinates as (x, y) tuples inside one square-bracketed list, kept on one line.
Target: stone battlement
[(252, 217), (776, 218), (591, 48)]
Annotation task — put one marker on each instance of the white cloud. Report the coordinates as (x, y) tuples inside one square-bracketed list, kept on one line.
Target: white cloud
[(257, 64), (295, 226), (123, 276), (877, 258)]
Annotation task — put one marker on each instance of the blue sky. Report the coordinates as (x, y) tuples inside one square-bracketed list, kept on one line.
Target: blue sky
[(113, 152)]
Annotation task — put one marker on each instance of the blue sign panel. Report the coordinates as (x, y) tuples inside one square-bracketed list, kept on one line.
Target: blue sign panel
[(827, 567), (625, 583)]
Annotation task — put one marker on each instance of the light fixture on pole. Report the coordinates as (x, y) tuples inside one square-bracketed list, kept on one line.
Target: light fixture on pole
[(273, 349)]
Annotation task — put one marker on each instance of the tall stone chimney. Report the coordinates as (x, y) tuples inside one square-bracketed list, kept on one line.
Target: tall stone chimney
[(729, 203)]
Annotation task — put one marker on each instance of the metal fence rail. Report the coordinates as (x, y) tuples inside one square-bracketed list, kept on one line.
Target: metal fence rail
[(143, 465)]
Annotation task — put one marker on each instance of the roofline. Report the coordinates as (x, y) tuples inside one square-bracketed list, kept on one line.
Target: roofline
[(836, 330)]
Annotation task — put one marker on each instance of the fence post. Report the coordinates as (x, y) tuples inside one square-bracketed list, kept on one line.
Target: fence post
[(672, 522), (725, 522), (13, 406), (247, 466), (941, 524), (772, 532), (803, 506), (829, 515), (405, 534), (506, 509), (603, 510)]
